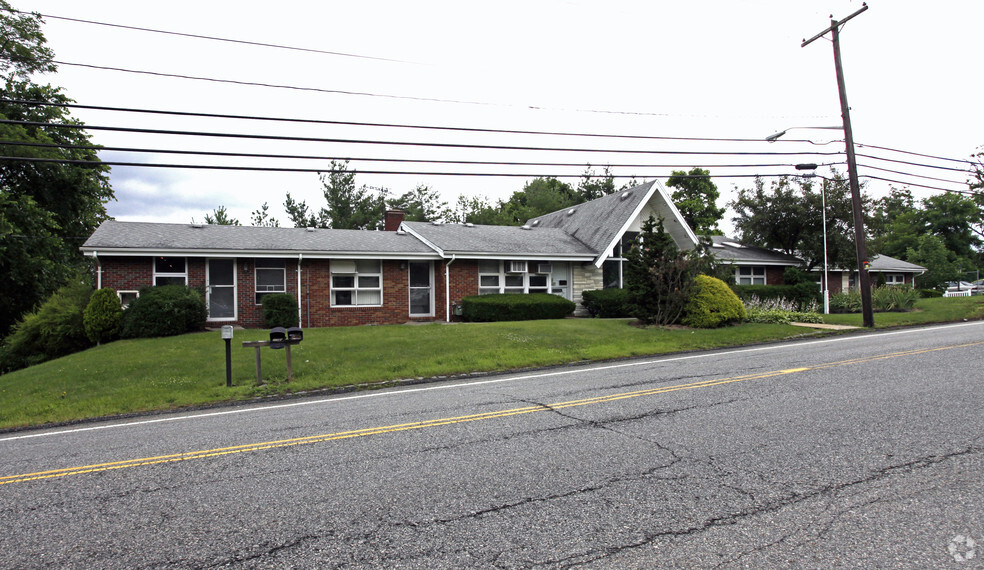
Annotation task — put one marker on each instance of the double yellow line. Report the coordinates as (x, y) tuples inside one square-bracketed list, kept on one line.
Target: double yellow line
[(218, 452)]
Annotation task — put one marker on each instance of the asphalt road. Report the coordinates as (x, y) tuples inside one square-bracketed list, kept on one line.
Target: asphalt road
[(854, 451)]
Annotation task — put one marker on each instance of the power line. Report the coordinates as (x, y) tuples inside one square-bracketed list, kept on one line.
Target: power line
[(913, 175), (98, 163), (211, 38), (398, 143), (386, 125), (371, 159)]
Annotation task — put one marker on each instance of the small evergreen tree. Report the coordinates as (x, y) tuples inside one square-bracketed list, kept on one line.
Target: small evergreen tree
[(659, 277), (103, 316)]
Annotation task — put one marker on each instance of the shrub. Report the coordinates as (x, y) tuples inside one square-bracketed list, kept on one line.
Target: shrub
[(164, 311), (780, 311), (846, 302), (54, 330), (714, 304), (659, 277), (280, 310), (103, 316), (894, 298), (607, 303), (802, 294), (889, 298), (515, 307), (930, 293)]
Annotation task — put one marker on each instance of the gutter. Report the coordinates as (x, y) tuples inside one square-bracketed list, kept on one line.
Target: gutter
[(300, 317), (99, 270)]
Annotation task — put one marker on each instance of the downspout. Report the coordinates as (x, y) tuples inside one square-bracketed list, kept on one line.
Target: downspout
[(99, 270), (300, 320), (447, 289)]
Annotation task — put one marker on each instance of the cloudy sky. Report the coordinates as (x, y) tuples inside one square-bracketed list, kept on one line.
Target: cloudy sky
[(720, 69)]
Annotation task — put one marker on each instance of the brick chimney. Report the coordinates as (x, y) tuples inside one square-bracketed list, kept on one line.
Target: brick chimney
[(393, 220)]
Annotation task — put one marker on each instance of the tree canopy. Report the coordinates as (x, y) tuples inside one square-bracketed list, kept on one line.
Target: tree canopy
[(696, 197), (47, 208)]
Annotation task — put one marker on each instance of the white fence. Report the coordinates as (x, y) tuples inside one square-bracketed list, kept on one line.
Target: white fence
[(957, 293)]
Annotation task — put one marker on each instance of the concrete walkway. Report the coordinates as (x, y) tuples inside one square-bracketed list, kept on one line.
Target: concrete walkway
[(825, 326)]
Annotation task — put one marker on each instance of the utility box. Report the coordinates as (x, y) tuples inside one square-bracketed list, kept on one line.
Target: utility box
[(294, 335), (278, 337)]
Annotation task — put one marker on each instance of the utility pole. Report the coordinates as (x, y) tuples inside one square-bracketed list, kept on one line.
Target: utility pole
[(864, 279)]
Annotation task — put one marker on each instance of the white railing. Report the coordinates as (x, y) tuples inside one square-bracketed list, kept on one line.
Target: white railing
[(957, 293)]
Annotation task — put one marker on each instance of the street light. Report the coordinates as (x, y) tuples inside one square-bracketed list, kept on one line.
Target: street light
[(776, 136)]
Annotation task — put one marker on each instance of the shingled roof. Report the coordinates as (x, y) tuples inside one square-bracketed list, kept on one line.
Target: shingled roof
[(157, 238), (600, 223), (469, 240)]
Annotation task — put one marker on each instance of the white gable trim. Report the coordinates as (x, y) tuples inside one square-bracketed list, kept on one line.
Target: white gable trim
[(656, 187)]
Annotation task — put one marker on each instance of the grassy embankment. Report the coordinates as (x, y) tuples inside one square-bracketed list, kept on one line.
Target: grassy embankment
[(158, 374)]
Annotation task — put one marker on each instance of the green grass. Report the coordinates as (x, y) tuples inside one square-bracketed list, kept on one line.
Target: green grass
[(143, 375), (927, 311)]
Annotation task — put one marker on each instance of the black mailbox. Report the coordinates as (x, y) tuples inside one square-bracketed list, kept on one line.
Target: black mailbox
[(294, 335), (278, 337)]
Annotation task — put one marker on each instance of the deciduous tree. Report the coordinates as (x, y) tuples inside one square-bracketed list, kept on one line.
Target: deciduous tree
[(696, 196)]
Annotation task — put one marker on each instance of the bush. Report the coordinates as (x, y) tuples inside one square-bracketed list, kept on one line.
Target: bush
[(714, 304), (894, 298), (515, 307), (889, 298), (802, 294), (930, 293), (164, 311), (280, 310), (103, 316), (54, 330), (779, 311), (607, 303)]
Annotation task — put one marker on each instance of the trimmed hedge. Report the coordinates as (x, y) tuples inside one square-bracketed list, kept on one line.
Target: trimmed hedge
[(515, 307), (713, 305), (802, 294), (280, 310), (607, 303), (166, 310), (103, 316)]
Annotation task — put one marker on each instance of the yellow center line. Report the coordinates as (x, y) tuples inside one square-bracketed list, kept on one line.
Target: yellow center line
[(281, 443)]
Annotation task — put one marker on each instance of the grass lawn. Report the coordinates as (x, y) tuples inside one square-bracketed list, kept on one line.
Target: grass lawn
[(927, 311), (189, 370)]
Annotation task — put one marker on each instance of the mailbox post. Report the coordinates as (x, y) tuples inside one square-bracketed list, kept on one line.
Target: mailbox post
[(227, 337)]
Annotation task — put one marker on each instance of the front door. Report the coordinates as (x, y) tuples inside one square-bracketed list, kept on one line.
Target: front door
[(221, 285), (421, 288)]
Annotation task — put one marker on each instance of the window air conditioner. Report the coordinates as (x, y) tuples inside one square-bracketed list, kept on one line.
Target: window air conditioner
[(544, 267)]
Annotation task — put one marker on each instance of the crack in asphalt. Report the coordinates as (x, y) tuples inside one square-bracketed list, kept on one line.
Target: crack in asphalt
[(735, 518)]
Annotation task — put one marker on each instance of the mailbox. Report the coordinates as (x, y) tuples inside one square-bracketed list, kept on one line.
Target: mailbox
[(278, 337), (294, 335)]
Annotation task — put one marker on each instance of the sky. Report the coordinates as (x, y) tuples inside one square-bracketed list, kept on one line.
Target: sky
[(714, 69)]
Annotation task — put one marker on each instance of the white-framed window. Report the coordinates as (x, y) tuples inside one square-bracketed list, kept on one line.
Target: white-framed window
[(750, 275), (356, 283), (496, 277), (271, 277), (894, 279), (170, 271), (127, 297)]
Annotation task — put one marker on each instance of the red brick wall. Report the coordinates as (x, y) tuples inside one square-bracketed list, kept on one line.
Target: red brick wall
[(773, 275), (133, 273)]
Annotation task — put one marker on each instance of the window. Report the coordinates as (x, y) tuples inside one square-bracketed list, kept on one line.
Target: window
[(613, 268), (750, 276), (495, 277), (356, 283), (271, 277), (127, 297), (170, 271), (894, 279)]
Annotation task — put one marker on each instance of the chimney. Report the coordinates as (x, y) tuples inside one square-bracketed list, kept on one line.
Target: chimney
[(393, 220)]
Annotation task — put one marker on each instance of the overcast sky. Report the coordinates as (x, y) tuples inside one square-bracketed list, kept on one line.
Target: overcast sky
[(703, 69)]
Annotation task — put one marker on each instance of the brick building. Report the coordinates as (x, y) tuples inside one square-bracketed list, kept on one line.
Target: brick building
[(410, 271)]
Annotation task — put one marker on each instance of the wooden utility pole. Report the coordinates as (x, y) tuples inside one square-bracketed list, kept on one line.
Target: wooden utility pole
[(864, 278)]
